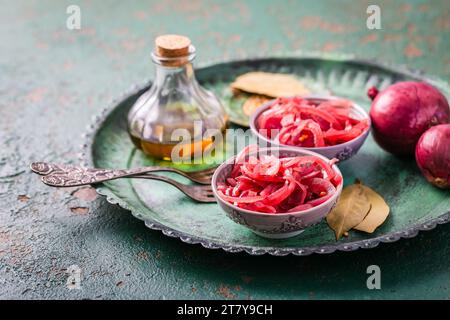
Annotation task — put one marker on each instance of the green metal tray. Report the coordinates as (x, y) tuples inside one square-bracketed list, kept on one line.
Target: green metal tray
[(415, 204)]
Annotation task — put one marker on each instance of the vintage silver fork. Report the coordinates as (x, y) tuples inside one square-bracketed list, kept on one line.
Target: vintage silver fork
[(70, 175), (73, 176)]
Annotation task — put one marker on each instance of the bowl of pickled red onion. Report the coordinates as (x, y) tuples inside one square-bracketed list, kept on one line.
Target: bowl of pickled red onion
[(331, 126), (277, 192)]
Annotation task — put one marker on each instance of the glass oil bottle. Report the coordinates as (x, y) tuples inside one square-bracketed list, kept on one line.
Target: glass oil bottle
[(173, 118)]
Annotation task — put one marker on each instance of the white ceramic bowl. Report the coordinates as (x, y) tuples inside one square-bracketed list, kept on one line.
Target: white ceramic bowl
[(280, 225), (341, 151)]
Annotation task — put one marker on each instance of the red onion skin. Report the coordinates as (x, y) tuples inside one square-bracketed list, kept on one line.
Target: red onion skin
[(433, 155), (405, 110)]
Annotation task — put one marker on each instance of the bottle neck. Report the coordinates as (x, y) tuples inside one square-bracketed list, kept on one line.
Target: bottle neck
[(173, 76), (172, 71)]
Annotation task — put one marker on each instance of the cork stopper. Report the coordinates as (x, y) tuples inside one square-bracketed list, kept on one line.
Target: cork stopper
[(172, 46)]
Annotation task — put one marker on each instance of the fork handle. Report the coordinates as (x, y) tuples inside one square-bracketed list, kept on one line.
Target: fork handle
[(56, 179), (72, 176), (57, 175)]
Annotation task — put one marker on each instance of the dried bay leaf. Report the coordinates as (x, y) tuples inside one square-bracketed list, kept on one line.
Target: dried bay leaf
[(252, 103), (269, 84), (378, 213), (351, 209)]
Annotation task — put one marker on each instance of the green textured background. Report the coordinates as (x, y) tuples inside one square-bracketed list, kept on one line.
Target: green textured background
[(53, 80)]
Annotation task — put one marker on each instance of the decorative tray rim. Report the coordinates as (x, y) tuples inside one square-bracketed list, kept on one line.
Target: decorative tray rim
[(410, 232)]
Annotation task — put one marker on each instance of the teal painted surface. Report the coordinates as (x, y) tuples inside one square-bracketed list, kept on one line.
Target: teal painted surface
[(52, 80)]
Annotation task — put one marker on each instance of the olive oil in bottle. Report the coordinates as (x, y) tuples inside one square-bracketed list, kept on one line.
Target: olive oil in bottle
[(174, 116)]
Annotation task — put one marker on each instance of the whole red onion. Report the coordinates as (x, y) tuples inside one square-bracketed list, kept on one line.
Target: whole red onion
[(433, 155), (403, 111)]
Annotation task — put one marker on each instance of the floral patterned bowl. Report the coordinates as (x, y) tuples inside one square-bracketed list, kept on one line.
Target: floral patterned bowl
[(281, 225), (341, 151)]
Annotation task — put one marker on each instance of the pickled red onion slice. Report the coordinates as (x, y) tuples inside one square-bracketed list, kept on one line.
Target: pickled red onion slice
[(273, 185), (304, 123)]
